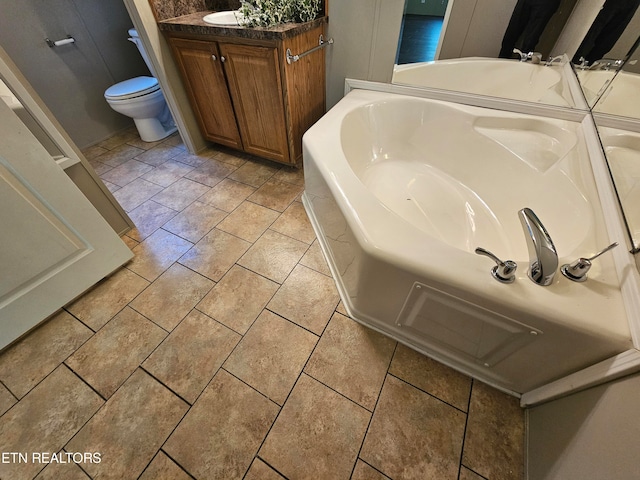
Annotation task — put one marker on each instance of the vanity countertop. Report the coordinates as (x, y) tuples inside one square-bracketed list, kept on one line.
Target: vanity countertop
[(194, 24)]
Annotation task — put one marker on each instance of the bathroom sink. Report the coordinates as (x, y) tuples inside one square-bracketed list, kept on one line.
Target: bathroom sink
[(226, 18)]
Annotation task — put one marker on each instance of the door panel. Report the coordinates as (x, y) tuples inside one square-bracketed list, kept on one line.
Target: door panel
[(253, 74), (54, 245), (201, 67)]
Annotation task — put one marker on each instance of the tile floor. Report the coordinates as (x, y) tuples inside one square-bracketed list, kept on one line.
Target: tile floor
[(222, 351)]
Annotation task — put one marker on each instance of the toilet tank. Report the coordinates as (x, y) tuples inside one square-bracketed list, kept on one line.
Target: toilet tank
[(133, 37)]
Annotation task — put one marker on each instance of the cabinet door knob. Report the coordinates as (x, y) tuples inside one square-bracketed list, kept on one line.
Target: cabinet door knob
[(214, 57), (222, 59)]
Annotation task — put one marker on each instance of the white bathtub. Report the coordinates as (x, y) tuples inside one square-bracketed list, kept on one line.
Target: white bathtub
[(401, 190), (495, 77)]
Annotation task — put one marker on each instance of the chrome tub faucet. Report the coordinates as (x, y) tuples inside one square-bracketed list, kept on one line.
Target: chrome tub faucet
[(543, 258)]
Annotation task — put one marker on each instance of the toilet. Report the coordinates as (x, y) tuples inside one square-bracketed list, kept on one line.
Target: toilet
[(141, 99)]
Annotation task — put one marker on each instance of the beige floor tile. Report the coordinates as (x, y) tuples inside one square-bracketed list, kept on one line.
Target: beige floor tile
[(149, 217), (239, 297), (130, 428), (119, 155), (130, 242), (230, 156), (60, 471), (159, 154), (112, 187), (138, 142), (271, 355), (274, 255), (466, 474), (261, 471), (181, 194), (100, 304), (100, 167), (248, 221), (190, 159), (112, 354), (163, 468), (413, 435), (195, 221), (27, 362), (126, 173), (45, 419), (434, 378), (366, 472), (7, 400), (254, 172), (215, 254), (352, 359), (210, 172), (222, 432), (295, 223), (341, 309), (117, 139), (189, 358), (314, 259), (318, 430), (276, 195), (290, 175), (93, 152), (227, 195), (156, 253), (307, 298), (136, 193), (172, 296), (174, 140), (494, 444), (167, 173)]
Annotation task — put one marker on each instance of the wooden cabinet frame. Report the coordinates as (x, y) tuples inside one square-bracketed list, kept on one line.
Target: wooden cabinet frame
[(245, 94)]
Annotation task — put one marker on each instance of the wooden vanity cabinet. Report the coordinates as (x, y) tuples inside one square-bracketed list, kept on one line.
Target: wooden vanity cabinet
[(245, 94)]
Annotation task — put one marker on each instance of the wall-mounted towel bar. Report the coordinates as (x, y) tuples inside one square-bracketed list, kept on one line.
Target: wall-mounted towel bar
[(321, 44), (58, 43)]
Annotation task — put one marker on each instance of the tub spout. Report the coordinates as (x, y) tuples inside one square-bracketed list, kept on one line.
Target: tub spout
[(543, 258)]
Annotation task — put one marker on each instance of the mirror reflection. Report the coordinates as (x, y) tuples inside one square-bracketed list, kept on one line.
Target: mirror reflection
[(539, 32)]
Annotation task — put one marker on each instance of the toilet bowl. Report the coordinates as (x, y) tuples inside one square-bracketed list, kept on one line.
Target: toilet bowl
[(141, 99)]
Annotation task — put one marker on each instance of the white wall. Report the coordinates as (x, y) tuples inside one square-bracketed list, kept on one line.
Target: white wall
[(366, 34), (475, 28), (589, 435)]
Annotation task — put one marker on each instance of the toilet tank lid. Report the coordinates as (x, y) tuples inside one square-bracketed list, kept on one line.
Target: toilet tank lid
[(135, 86)]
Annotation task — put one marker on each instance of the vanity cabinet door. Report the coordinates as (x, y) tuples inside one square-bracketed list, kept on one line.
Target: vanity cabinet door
[(201, 67), (253, 75)]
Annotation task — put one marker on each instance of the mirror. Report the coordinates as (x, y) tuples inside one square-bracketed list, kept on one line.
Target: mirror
[(576, 28)]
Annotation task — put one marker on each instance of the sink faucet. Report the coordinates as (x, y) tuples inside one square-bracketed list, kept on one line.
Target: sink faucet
[(543, 258)]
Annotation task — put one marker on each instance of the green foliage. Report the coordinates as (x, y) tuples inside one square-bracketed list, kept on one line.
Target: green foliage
[(267, 13)]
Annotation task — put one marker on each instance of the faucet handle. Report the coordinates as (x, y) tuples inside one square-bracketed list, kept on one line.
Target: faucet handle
[(504, 272), (577, 271)]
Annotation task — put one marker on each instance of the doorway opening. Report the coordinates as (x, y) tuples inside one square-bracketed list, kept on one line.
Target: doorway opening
[(420, 31)]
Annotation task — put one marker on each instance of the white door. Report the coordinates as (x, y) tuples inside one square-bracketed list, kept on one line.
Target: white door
[(53, 243)]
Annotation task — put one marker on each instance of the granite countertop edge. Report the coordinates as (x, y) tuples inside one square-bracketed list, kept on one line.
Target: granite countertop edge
[(193, 24)]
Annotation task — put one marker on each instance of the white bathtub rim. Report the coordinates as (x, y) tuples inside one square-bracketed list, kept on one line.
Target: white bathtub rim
[(317, 141), (568, 79)]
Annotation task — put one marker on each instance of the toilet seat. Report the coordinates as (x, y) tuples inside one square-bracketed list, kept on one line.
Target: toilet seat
[(132, 88)]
